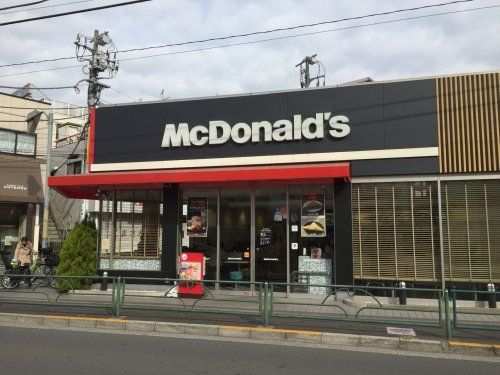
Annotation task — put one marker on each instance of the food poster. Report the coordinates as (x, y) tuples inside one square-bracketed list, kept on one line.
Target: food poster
[(190, 270), (197, 216), (313, 219)]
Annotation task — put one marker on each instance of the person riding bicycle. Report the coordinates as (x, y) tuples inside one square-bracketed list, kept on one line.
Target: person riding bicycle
[(24, 253)]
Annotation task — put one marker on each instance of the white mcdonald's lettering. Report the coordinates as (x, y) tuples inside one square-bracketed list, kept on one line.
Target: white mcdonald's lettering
[(219, 132)]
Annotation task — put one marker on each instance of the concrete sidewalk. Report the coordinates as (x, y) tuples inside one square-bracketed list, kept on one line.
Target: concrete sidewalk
[(297, 312), (299, 306), (327, 339)]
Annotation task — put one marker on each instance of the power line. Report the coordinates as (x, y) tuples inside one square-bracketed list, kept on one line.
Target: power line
[(297, 26), (73, 12), (38, 61), (71, 106), (256, 32), (48, 6), (42, 70), (24, 5), (12, 114), (275, 38), (55, 119), (119, 92), (309, 33), (41, 88)]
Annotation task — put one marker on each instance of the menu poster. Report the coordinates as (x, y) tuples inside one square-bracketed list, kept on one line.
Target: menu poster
[(313, 219), (197, 216), (265, 237)]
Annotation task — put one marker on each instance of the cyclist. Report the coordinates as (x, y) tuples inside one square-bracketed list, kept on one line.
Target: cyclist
[(24, 253)]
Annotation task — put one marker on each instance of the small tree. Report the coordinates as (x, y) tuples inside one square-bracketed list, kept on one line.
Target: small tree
[(78, 256)]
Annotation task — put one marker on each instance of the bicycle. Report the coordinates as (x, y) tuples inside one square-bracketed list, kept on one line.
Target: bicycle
[(14, 276), (33, 274)]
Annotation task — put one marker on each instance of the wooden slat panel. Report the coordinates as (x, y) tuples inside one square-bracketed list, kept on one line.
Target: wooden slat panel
[(493, 215), (393, 231), (471, 223), (468, 123)]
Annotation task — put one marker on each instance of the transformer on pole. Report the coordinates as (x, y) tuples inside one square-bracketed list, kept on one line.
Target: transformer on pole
[(305, 74)]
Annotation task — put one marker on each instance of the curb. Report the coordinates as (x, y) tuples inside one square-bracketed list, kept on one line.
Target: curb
[(259, 333)]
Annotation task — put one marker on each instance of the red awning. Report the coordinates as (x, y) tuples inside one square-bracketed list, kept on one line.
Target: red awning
[(86, 185)]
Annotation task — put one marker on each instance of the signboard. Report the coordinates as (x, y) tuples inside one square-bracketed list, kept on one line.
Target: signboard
[(265, 237), (105, 244), (321, 125), (197, 216), (401, 331), (313, 219)]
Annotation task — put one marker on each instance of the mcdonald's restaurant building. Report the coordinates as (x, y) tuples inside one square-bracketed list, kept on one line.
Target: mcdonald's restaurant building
[(374, 182)]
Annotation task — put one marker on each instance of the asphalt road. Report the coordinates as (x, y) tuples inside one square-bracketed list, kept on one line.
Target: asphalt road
[(45, 351)]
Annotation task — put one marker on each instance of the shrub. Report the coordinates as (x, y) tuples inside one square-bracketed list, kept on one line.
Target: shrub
[(78, 256)]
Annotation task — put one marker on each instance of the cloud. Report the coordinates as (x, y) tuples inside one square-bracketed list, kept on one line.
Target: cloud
[(430, 46)]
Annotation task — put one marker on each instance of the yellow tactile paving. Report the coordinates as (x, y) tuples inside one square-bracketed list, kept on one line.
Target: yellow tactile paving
[(271, 330)]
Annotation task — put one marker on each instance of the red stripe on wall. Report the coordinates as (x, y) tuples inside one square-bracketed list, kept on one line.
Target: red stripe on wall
[(91, 138), (81, 186)]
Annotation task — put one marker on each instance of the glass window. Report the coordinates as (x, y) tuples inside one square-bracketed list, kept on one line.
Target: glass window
[(139, 217), (25, 144), (312, 230), (74, 168), (7, 141), (199, 226)]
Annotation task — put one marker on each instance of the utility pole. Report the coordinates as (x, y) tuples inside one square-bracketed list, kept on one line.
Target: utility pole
[(48, 168), (305, 77), (32, 119), (98, 61), (93, 74)]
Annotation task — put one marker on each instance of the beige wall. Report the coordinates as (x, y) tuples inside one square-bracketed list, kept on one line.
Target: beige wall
[(10, 117)]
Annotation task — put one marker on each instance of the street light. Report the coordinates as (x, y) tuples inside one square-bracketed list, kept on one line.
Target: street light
[(32, 119)]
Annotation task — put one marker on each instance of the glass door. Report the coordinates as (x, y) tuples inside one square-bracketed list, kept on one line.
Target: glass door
[(235, 234), (271, 220)]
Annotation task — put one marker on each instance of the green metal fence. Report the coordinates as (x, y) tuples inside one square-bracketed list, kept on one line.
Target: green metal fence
[(211, 301), (70, 296), (268, 302), (338, 302), (475, 318)]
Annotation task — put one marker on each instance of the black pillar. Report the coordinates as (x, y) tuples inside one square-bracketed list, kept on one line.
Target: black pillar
[(30, 222), (170, 230), (343, 262)]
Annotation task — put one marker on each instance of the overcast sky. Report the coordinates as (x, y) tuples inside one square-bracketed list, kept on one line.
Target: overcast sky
[(456, 43)]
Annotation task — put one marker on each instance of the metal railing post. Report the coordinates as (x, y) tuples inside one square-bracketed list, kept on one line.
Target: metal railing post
[(440, 307), (447, 314), (104, 281), (118, 301), (266, 304), (402, 293), (454, 306), (492, 297), (113, 295)]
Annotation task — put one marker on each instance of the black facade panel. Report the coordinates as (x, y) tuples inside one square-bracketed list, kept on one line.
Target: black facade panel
[(343, 262), (410, 114), (364, 104), (381, 116), (171, 222), (388, 167)]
